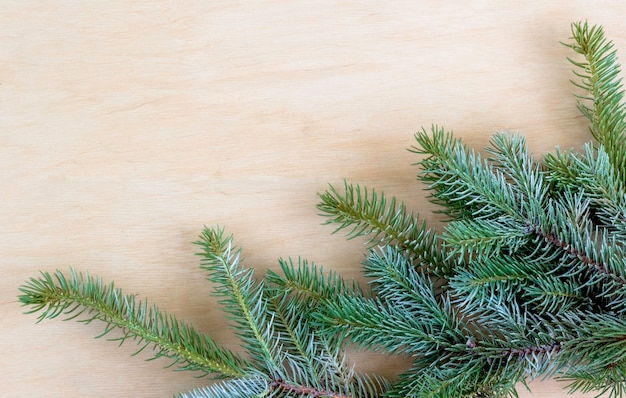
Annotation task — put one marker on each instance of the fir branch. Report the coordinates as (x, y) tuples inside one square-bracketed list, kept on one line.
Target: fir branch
[(276, 332), (307, 282), (442, 382), (466, 239), (582, 255), (399, 285), (599, 76), (592, 175), (371, 324), (407, 315), (289, 358), (243, 297), (297, 336), (488, 278), (236, 388), (303, 346), (512, 174), (439, 146), (609, 380), (281, 386), (597, 340), (561, 170), (511, 156), (383, 221), (515, 342), (301, 289), (551, 294), (460, 373), (88, 299), (461, 180), (590, 252), (533, 351)]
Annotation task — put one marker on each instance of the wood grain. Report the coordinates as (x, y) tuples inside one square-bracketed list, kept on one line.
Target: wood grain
[(127, 126)]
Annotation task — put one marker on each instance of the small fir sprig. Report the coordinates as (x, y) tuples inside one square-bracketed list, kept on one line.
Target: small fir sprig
[(527, 279)]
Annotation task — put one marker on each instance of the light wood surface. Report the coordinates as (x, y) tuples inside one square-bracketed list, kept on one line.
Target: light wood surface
[(127, 126)]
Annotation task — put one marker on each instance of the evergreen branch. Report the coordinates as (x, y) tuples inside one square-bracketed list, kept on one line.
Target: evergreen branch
[(533, 351), (460, 374), (276, 331), (578, 247), (466, 239), (301, 289), (439, 382), (549, 294), (572, 231), (54, 295), (582, 255), (491, 203), (599, 76), (515, 342), (329, 376), (236, 388), (297, 337), (439, 148), (596, 339), (399, 285), (465, 184), (489, 366), (383, 221), (561, 170), (507, 229), (276, 387), (511, 156), (308, 284), (283, 387), (413, 328), (486, 278), (609, 380), (243, 297), (592, 175), (302, 346), (369, 323)]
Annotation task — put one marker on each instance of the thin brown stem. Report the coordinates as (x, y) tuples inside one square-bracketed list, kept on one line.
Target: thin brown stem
[(278, 384), (572, 251)]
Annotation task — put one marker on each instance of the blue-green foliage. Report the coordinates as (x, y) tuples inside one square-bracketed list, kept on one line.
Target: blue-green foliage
[(529, 279), (284, 354), (526, 280)]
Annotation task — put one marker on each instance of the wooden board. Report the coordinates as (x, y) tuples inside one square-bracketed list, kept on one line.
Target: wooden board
[(127, 126)]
